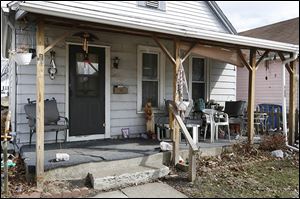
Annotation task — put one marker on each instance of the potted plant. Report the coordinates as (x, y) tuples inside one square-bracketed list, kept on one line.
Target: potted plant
[(22, 55)]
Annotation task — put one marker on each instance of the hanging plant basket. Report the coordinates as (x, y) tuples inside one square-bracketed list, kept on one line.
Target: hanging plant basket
[(23, 58)]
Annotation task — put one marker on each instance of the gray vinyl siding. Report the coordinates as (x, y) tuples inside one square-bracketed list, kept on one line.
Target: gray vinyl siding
[(26, 83), (123, 111), (123, 107)]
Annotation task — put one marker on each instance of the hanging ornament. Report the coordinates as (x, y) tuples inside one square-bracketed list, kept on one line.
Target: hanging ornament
[(52, 70), (267, 68), (86, 36)]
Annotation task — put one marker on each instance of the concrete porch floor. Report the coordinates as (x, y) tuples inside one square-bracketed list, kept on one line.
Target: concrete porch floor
[(90, 151), (102, 150)]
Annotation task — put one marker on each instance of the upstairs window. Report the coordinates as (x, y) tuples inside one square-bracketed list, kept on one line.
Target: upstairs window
[(158, 5)]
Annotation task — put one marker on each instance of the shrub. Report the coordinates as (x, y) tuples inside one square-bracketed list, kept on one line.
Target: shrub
[(273, 142)]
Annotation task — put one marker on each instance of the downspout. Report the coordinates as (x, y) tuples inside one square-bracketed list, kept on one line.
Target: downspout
[(284, 100)]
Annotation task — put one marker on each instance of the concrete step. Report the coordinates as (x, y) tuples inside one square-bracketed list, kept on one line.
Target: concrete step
[(124, 175), (119, 173)]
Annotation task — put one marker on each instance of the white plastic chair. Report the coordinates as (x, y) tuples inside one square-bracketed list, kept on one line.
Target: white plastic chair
[(209, 116), (222, 120)]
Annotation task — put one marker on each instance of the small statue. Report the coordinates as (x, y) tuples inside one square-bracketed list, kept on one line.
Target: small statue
[(149, 116)]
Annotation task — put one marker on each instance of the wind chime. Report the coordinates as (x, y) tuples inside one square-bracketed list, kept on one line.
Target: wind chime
[(267, 68), (86, 36)]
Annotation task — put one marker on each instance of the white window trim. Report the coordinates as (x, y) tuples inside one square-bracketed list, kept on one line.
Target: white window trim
[(161, 73), (206, 76)]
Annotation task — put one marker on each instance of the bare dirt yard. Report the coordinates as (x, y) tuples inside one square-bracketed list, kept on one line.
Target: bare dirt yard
[(244, 172)]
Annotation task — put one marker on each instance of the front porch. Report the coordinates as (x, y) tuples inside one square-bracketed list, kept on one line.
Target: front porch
[(125, 110), (113, 156)]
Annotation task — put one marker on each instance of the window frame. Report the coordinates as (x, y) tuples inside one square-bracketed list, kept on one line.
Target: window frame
[(161, 77), (161, 5), (206, 76), (5, 27)]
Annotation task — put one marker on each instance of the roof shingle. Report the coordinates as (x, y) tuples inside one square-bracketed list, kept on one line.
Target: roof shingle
[(284, 31)]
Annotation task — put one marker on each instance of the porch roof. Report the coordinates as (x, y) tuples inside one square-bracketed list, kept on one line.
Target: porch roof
[(64, 11)]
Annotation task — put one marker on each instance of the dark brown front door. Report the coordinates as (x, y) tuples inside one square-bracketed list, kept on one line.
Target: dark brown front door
[(86, 91)]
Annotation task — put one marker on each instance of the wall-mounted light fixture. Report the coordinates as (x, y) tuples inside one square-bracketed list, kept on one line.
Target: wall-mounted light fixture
[(116, 61)]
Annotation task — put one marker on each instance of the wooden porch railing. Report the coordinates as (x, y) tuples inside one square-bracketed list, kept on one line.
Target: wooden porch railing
[(193, 149)]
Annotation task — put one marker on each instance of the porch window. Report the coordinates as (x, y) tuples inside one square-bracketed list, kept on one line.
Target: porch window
[(87, 75), (150, 77), (198, 78)]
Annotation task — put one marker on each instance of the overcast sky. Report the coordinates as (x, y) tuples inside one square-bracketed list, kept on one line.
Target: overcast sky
[(245, 15)]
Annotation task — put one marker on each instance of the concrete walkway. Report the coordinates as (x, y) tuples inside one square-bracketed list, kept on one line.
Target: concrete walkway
[(150, 190)]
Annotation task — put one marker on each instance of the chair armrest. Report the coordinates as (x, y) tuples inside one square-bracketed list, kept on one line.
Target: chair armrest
[(66, 120), (225, 116)]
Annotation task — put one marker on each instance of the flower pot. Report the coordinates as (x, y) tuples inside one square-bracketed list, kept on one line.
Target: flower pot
[(23, 58)]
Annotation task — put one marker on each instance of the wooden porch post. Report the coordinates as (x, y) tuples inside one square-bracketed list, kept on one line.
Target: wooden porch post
[(292, 103), (40, 104), (251, 95), (176, 130)]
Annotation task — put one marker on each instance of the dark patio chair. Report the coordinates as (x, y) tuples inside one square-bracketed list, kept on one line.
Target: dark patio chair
[(162, 122), (236, 111), (51, 118)]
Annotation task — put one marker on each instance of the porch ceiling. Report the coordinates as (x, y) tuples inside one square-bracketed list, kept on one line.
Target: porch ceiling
[(208, 37)]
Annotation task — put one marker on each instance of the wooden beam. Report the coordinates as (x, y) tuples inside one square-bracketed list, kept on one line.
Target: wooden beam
[(292, 104), (192, 165), (176, 130), (251, 96), (56, 41), (164, 49), (262, 57), (184, 129), (287, 66), (40, 37), (193, 149), (189, 51), (243, 59)]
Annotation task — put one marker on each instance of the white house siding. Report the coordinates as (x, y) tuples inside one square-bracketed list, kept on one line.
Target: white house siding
[(222, 81), (266, 91), (179, 15)]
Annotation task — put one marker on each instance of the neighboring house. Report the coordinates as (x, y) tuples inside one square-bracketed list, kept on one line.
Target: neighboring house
[(124, 31), (268, 87)]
